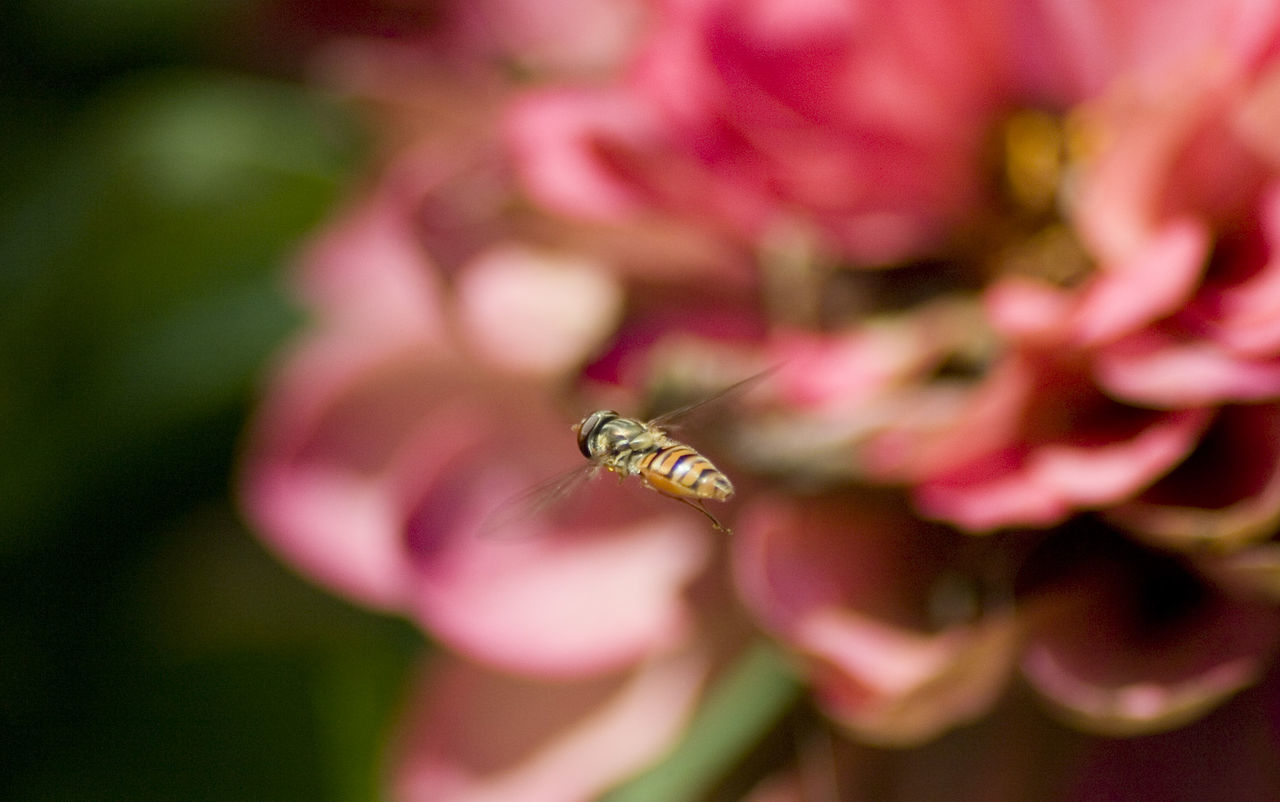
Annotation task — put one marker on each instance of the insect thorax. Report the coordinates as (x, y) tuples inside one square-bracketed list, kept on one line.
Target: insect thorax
[(615, 440)]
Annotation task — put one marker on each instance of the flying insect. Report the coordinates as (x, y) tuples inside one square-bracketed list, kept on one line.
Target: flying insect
[(639, 448)]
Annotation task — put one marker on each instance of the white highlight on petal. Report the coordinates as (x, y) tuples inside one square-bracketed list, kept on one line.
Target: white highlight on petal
[(536, 312)]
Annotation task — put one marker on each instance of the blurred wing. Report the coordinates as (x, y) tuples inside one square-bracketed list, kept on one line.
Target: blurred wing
[(679, 414), (537, 500)]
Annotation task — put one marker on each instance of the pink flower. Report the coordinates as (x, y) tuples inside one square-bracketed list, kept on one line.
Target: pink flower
[(729, 108), (1055, 444), (744, 115), (847, 584), (473, 734), (1124, 640), (1013, 268), (423, 396), (1199, 502), (907, 629), (390, 438)]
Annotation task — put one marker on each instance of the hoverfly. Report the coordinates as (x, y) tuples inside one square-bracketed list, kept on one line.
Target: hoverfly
[(633, 447)]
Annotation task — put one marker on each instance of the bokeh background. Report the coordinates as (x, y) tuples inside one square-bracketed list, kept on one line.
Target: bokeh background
[(161, 161)]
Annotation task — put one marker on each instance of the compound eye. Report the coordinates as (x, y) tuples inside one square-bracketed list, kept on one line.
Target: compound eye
[(590, 427)]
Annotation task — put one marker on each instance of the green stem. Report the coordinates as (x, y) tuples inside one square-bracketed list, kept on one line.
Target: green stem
[(757, 691)]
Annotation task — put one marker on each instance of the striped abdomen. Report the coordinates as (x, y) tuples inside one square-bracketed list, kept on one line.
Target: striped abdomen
[(678, 470)]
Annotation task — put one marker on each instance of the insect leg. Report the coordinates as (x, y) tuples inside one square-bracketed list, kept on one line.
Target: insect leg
[(700, 507)]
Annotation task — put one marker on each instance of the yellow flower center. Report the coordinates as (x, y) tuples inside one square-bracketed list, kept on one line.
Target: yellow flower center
[(1036, 155)]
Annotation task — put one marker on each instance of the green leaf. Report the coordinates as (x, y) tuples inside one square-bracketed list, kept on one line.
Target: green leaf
[(748, 701), (140, 272)]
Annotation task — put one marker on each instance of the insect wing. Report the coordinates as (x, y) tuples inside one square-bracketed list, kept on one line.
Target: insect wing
[(682, 414), (541, 499)]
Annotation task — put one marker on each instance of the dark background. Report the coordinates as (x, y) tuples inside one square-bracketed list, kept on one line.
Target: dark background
[(162, 161)]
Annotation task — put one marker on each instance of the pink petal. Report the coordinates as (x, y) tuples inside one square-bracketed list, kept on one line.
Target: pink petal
[(706, 315), (553, 138), (1139, 185), (1156, 368), (1060, 49), (375, 480), (967, 426), (1097, 474), (1040, 483), (996, 492), (1244, 314), (1258, 118), (310, 479), (1104, 654), (555, 605), (838, 580), (901, 690), (563, 36), (1227, 492), (554, 594), (369, 271), (1155, 282), (1029, 311), (745, 117), (826, 372), (1075, 49), (536, 312), (472, 735)]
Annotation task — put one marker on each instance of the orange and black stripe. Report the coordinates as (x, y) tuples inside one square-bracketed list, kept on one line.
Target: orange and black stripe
[(678, 470)]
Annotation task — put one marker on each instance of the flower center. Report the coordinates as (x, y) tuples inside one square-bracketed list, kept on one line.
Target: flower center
[(1034, 157), (1036, 150)]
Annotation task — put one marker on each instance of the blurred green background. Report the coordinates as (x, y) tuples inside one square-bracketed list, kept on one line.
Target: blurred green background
[(161, 164)]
